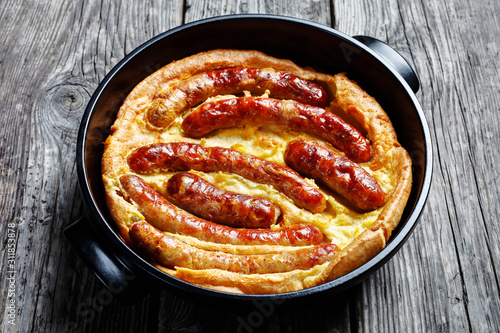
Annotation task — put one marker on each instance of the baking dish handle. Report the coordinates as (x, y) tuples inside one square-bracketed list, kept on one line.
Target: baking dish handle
[(395, 59), (123, 284)]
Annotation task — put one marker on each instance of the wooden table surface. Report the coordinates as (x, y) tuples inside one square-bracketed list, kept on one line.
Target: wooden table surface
[(445, 278)]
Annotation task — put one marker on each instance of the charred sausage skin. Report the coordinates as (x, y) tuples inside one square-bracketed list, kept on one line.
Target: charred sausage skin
[(196, 89), (233, 112), (183, 156), (165, 216), (203, 199), (171, 252), (337, 172)]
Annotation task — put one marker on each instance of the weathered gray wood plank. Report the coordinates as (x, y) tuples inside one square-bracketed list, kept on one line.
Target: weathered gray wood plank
[(445, 278), (317, 11), (51, 70)]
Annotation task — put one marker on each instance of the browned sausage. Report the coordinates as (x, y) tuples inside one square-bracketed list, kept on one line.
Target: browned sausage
[(183, 156), (167, 217), (233, 112), (171, 252), (203, 199), (198, 88), (337, 172)]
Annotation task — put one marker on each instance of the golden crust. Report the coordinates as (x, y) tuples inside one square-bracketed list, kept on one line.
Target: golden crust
[(360, 235)]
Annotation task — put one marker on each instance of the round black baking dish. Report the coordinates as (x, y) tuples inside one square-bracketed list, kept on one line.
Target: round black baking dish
[(376, 67)]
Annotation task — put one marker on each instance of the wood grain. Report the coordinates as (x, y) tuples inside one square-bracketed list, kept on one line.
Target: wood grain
[(52, 70), (456, 279), (444, 279)]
